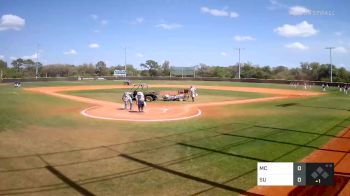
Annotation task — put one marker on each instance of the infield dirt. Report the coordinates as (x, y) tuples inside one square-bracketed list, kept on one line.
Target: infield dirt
[(161, 112)]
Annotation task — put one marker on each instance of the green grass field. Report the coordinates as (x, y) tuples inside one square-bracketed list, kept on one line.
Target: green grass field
[(214, 154)]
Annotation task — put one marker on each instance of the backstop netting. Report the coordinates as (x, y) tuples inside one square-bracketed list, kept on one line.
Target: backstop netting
[(182, 71)]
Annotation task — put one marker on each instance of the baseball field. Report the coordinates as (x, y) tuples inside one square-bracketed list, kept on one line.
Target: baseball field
[(74, 138)]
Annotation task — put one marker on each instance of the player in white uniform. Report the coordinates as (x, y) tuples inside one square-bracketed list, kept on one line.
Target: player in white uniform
[(140, 98), (193, 93), (127, 100)]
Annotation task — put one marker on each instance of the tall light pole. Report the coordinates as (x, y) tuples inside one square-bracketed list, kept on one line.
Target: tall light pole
[(330, 60), (125, 60), (37, 61), (239, 62)]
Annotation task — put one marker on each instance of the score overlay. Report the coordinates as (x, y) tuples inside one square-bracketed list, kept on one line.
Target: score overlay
[(290, 174)]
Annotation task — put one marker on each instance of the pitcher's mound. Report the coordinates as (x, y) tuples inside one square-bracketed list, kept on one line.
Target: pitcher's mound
[(150, 114)]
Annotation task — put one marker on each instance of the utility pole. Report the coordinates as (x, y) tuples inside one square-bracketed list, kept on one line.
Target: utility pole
[(170, 71), (330, 60), (37, 61), (239, 62), (125, 60), (194, 71), (182, 72)]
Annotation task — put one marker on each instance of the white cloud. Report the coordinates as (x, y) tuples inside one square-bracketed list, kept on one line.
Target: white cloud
[(217, 12), (97, 19), (70, 52), (139, 55), (169, 26), (303, 29), (2, 57), (33, 56), (104, 22), (13, 57), (139, 20), (96, 31), (10, 21), (94, 16), (274, 5), (299, 11), (94, 45), (223, 53), (234, 14), (242, 38), (297, 45), (339, 33), (340, 49)]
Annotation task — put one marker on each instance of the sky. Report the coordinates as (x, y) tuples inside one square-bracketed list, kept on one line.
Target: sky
[(185, 32)]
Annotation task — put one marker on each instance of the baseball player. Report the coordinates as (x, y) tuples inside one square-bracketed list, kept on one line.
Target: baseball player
[(127, 100), (140, 99), (193, 93)]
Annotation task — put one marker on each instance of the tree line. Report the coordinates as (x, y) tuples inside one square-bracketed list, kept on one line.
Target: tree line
[(313, 71)]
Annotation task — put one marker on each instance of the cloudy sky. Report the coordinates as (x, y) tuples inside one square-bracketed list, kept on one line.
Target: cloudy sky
[(272, 32)]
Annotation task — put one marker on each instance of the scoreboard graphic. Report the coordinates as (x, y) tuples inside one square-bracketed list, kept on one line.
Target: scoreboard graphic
[(290, 174)]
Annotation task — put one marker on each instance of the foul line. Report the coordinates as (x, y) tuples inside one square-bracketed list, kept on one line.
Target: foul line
[(84, 112)]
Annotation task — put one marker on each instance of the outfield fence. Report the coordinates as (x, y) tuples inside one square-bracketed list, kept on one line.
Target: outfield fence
[(250, 80)]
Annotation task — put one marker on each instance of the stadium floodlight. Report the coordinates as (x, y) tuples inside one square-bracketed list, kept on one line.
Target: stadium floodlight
[(125, 60), (194, 70), (239, 61), (37, 61), (330, 60)]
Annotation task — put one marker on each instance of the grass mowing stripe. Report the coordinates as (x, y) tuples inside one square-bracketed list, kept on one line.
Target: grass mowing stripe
[(202, 180), (280, 142), (322, 107), (225, 182), (225, 153), (175, 161), (314, 133), (109, 157), (117, 144), (35, 191), (140, 170), (325, 132), (107, 147), (14, 191)]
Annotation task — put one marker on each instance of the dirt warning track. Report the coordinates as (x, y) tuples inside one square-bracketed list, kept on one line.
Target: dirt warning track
[(107, 110)]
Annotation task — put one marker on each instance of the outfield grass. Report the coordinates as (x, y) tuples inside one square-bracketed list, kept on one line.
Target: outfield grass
[(222, 147)]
